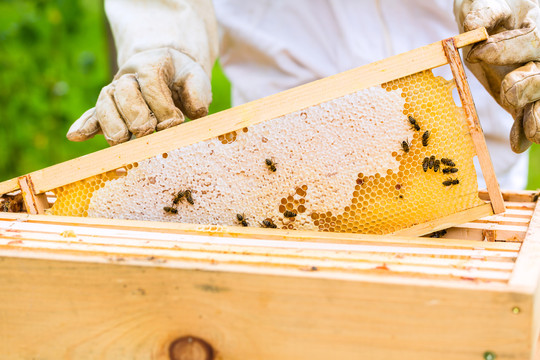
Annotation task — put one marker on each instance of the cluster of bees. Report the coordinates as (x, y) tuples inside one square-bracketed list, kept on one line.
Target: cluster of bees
[(240, 218), (406, 145), (438, 234), (431, 162), (266, 223), (178, 198), (11, 203), (435, 164), (445, 165)]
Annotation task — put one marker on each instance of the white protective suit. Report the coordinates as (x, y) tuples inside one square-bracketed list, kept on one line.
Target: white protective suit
[(268, 46)]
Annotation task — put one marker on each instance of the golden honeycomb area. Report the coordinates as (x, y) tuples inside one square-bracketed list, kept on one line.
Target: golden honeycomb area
[(404, 195), (73, 199)]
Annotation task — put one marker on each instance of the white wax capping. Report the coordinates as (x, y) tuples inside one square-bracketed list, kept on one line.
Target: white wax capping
[(323, 147)]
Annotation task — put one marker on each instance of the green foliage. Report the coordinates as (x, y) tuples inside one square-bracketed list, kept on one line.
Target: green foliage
[(221, 90), (53, 63), (534, 168)]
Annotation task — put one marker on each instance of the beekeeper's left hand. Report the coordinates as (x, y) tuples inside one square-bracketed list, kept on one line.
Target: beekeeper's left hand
[(508, 63)]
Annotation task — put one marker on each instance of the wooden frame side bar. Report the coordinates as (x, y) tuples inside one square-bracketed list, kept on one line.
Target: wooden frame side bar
[(270, 107), (454, 60), (35, 203)]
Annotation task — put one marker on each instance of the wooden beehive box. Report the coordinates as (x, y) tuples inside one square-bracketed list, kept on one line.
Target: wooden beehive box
[(83, 288), (87, 288)]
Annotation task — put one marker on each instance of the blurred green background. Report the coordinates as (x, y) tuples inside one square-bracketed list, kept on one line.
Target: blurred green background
[(54, 59)]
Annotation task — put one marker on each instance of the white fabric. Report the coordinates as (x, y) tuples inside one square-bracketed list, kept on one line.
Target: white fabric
[(187, 26), (268, 46)]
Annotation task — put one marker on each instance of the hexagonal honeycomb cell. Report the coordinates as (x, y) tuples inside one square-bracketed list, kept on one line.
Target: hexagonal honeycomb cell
[(368, 162)]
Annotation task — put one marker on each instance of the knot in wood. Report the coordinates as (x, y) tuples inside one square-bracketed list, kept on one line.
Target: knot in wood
[(190, 348)]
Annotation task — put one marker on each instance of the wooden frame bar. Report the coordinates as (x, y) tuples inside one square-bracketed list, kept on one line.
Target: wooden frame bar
[(35, 203), (514, 196), (454, 60), (257, 235)]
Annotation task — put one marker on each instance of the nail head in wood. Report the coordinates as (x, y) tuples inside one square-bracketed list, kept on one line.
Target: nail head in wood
[(190, 348)]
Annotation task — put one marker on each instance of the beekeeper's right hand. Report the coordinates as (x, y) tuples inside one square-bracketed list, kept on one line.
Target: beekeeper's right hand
[(166, 50)]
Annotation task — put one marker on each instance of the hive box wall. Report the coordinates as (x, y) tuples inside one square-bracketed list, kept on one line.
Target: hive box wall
[(87, 309)]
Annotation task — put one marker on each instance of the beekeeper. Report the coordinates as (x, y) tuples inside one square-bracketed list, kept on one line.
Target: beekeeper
[(166, 50)]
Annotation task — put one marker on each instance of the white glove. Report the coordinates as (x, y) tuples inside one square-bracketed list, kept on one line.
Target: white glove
[(506, 64), (166, 50)]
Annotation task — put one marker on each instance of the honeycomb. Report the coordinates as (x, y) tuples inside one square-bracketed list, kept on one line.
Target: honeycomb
[(341, 166), (73, 199)]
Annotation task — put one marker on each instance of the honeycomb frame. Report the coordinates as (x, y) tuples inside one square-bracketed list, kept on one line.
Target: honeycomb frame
[(293, 202)]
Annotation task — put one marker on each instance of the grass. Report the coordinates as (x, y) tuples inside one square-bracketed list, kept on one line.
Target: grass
[(54, 62)]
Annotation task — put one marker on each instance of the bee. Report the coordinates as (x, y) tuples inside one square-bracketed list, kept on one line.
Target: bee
[(405, 145), (5, 205), (271, 165), (448, 162), (289, 214), (438, 234), (447, 182), (436, 165), (450, 181), (242, 219), (178, 198), (431, 162), (413, 123), (425, 138), (170, 210), (449, 170), (269, 224), (425, 164), (189, 199)]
